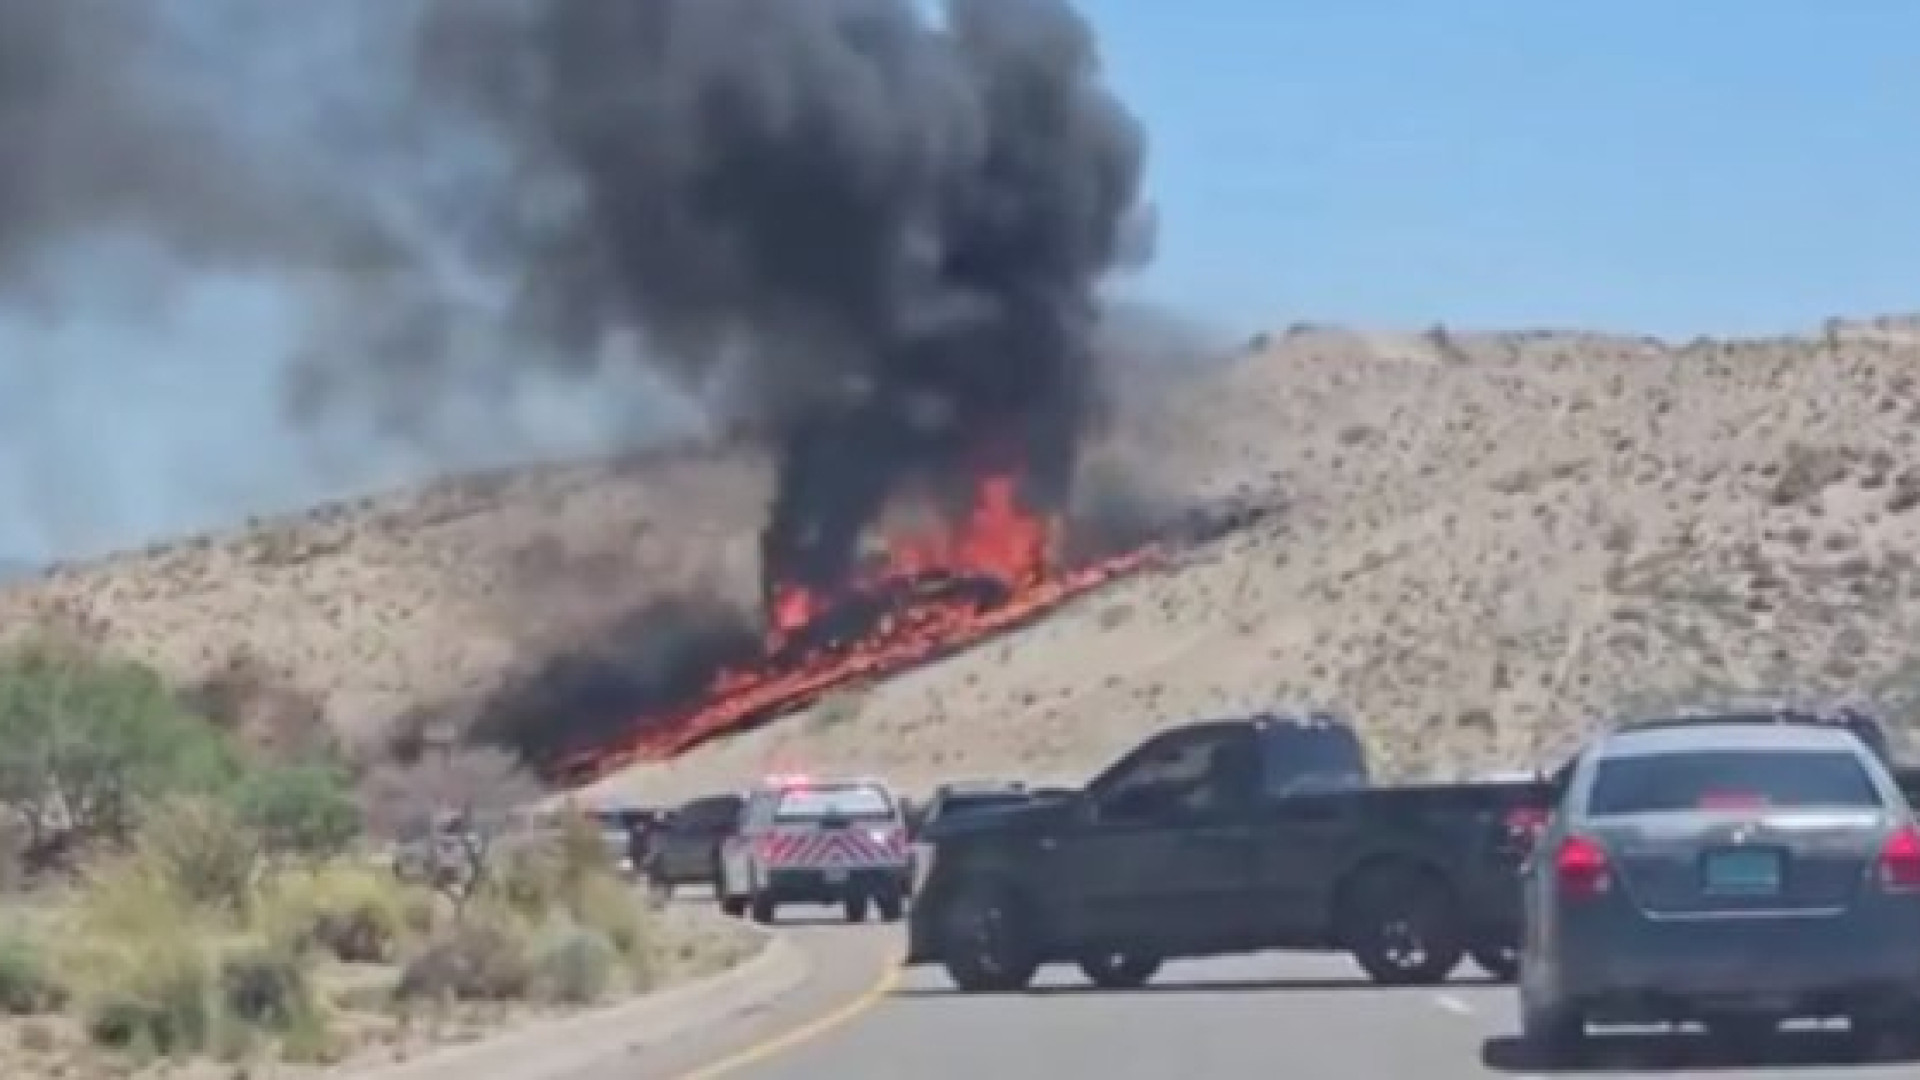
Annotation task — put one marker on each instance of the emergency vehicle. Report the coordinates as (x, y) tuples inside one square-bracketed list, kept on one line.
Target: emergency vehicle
[(817, 841)]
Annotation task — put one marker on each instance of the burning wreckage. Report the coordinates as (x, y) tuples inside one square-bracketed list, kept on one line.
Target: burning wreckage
[(995, 564)]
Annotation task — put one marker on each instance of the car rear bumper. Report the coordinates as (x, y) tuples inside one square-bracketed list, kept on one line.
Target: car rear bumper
[(1787, 964), (822, 885)]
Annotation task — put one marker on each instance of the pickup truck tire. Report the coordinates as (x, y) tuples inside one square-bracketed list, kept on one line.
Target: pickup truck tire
[(763, 909), (855, 909), (892, 908), (985, 940), (1119, 970), (1553, 1037), (659, 890), (733, 907), (1402, 925), (1502, 962)]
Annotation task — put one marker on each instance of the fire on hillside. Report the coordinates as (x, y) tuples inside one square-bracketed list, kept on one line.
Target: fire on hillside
[(928, 593)]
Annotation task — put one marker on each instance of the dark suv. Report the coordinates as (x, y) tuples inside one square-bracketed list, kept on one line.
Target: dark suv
[(685, 848)]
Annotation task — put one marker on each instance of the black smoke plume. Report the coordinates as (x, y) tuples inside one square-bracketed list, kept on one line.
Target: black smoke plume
[(874, 232)]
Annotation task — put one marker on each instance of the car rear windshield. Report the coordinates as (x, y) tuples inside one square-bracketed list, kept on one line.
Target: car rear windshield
[(851, 802), (1725, 778)]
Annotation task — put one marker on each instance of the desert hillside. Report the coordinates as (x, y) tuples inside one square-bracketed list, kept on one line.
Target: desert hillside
[(1486, 539)]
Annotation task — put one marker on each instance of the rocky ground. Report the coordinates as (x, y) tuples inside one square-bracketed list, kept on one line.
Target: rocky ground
[(1487, 540)]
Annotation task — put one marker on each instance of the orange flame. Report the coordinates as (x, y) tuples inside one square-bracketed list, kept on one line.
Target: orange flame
[(936, 591)]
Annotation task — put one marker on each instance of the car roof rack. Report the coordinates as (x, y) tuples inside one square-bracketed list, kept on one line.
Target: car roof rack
[(1865, 726), (1812, 717)]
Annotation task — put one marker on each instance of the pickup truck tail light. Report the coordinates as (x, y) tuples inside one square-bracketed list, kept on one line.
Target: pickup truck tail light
[(891, 839), (1582, 869), (1524, 824), (1900, 861)]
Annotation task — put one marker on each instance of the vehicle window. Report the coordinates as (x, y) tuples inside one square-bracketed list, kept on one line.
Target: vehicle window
[(957, 803), (851, 802), (708, 815), (1192, 774), (1709, 778), (1303, 760)]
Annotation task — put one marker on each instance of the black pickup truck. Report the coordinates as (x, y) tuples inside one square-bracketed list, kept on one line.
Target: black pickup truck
[(1225, 837)]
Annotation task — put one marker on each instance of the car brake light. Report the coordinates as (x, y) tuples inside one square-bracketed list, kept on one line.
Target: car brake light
[(1581, 868), (1900, 861), (1731, 800)]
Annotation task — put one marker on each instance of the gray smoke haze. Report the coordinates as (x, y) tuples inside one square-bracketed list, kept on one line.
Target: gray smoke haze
[(255, 253)]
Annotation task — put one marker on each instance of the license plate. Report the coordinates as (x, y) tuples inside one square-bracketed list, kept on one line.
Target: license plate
[(835, 875), (1746, 873)]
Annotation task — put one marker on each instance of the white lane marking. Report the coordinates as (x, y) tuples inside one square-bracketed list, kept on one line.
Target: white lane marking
[(1453, 1004)]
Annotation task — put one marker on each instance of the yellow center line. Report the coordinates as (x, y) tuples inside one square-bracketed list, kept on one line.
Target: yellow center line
[(890, 976)]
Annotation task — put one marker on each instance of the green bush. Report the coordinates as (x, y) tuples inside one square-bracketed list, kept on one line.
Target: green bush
[(90, 739), (163, 1002), (130, 898), (474, 961), (306, 809), (583, 849), (530, 880), (352, 912), (202, 848), (27, 983), (574, 965), (267, 988), (605, 903)]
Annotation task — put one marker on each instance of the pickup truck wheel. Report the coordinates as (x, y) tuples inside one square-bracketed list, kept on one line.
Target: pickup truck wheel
[(1500, 961), (892, 908), (733, 907), (1403, 928), (985, 941), (1553, 1037), (855, 909), (1119, 970), (763, 909), (659, 890)]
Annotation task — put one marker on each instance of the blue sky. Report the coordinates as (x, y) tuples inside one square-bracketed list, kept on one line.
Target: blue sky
[(1677, 167)]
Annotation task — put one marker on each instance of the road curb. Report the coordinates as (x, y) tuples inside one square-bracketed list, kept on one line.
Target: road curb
[(554, 1049)]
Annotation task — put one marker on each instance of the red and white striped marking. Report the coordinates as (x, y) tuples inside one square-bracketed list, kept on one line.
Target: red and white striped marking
[(852, 847)]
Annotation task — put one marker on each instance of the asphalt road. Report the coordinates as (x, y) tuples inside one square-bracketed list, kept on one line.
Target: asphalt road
[(1302, 1017)]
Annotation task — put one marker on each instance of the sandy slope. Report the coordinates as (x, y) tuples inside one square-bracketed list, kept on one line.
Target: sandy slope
[(1487, 540)]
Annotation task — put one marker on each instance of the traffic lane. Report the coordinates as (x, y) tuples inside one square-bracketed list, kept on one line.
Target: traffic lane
[(1310, 1017), (1306, 1016), (843, 962)]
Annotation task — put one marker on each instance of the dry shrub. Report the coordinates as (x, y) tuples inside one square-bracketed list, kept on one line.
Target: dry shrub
[(348, 911), (574, 965), (419, 911), (160, 1001), (201, 846), (530, 880), (267, 987), (271, 989), (130, 898), (479, 959), (608, 905)]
